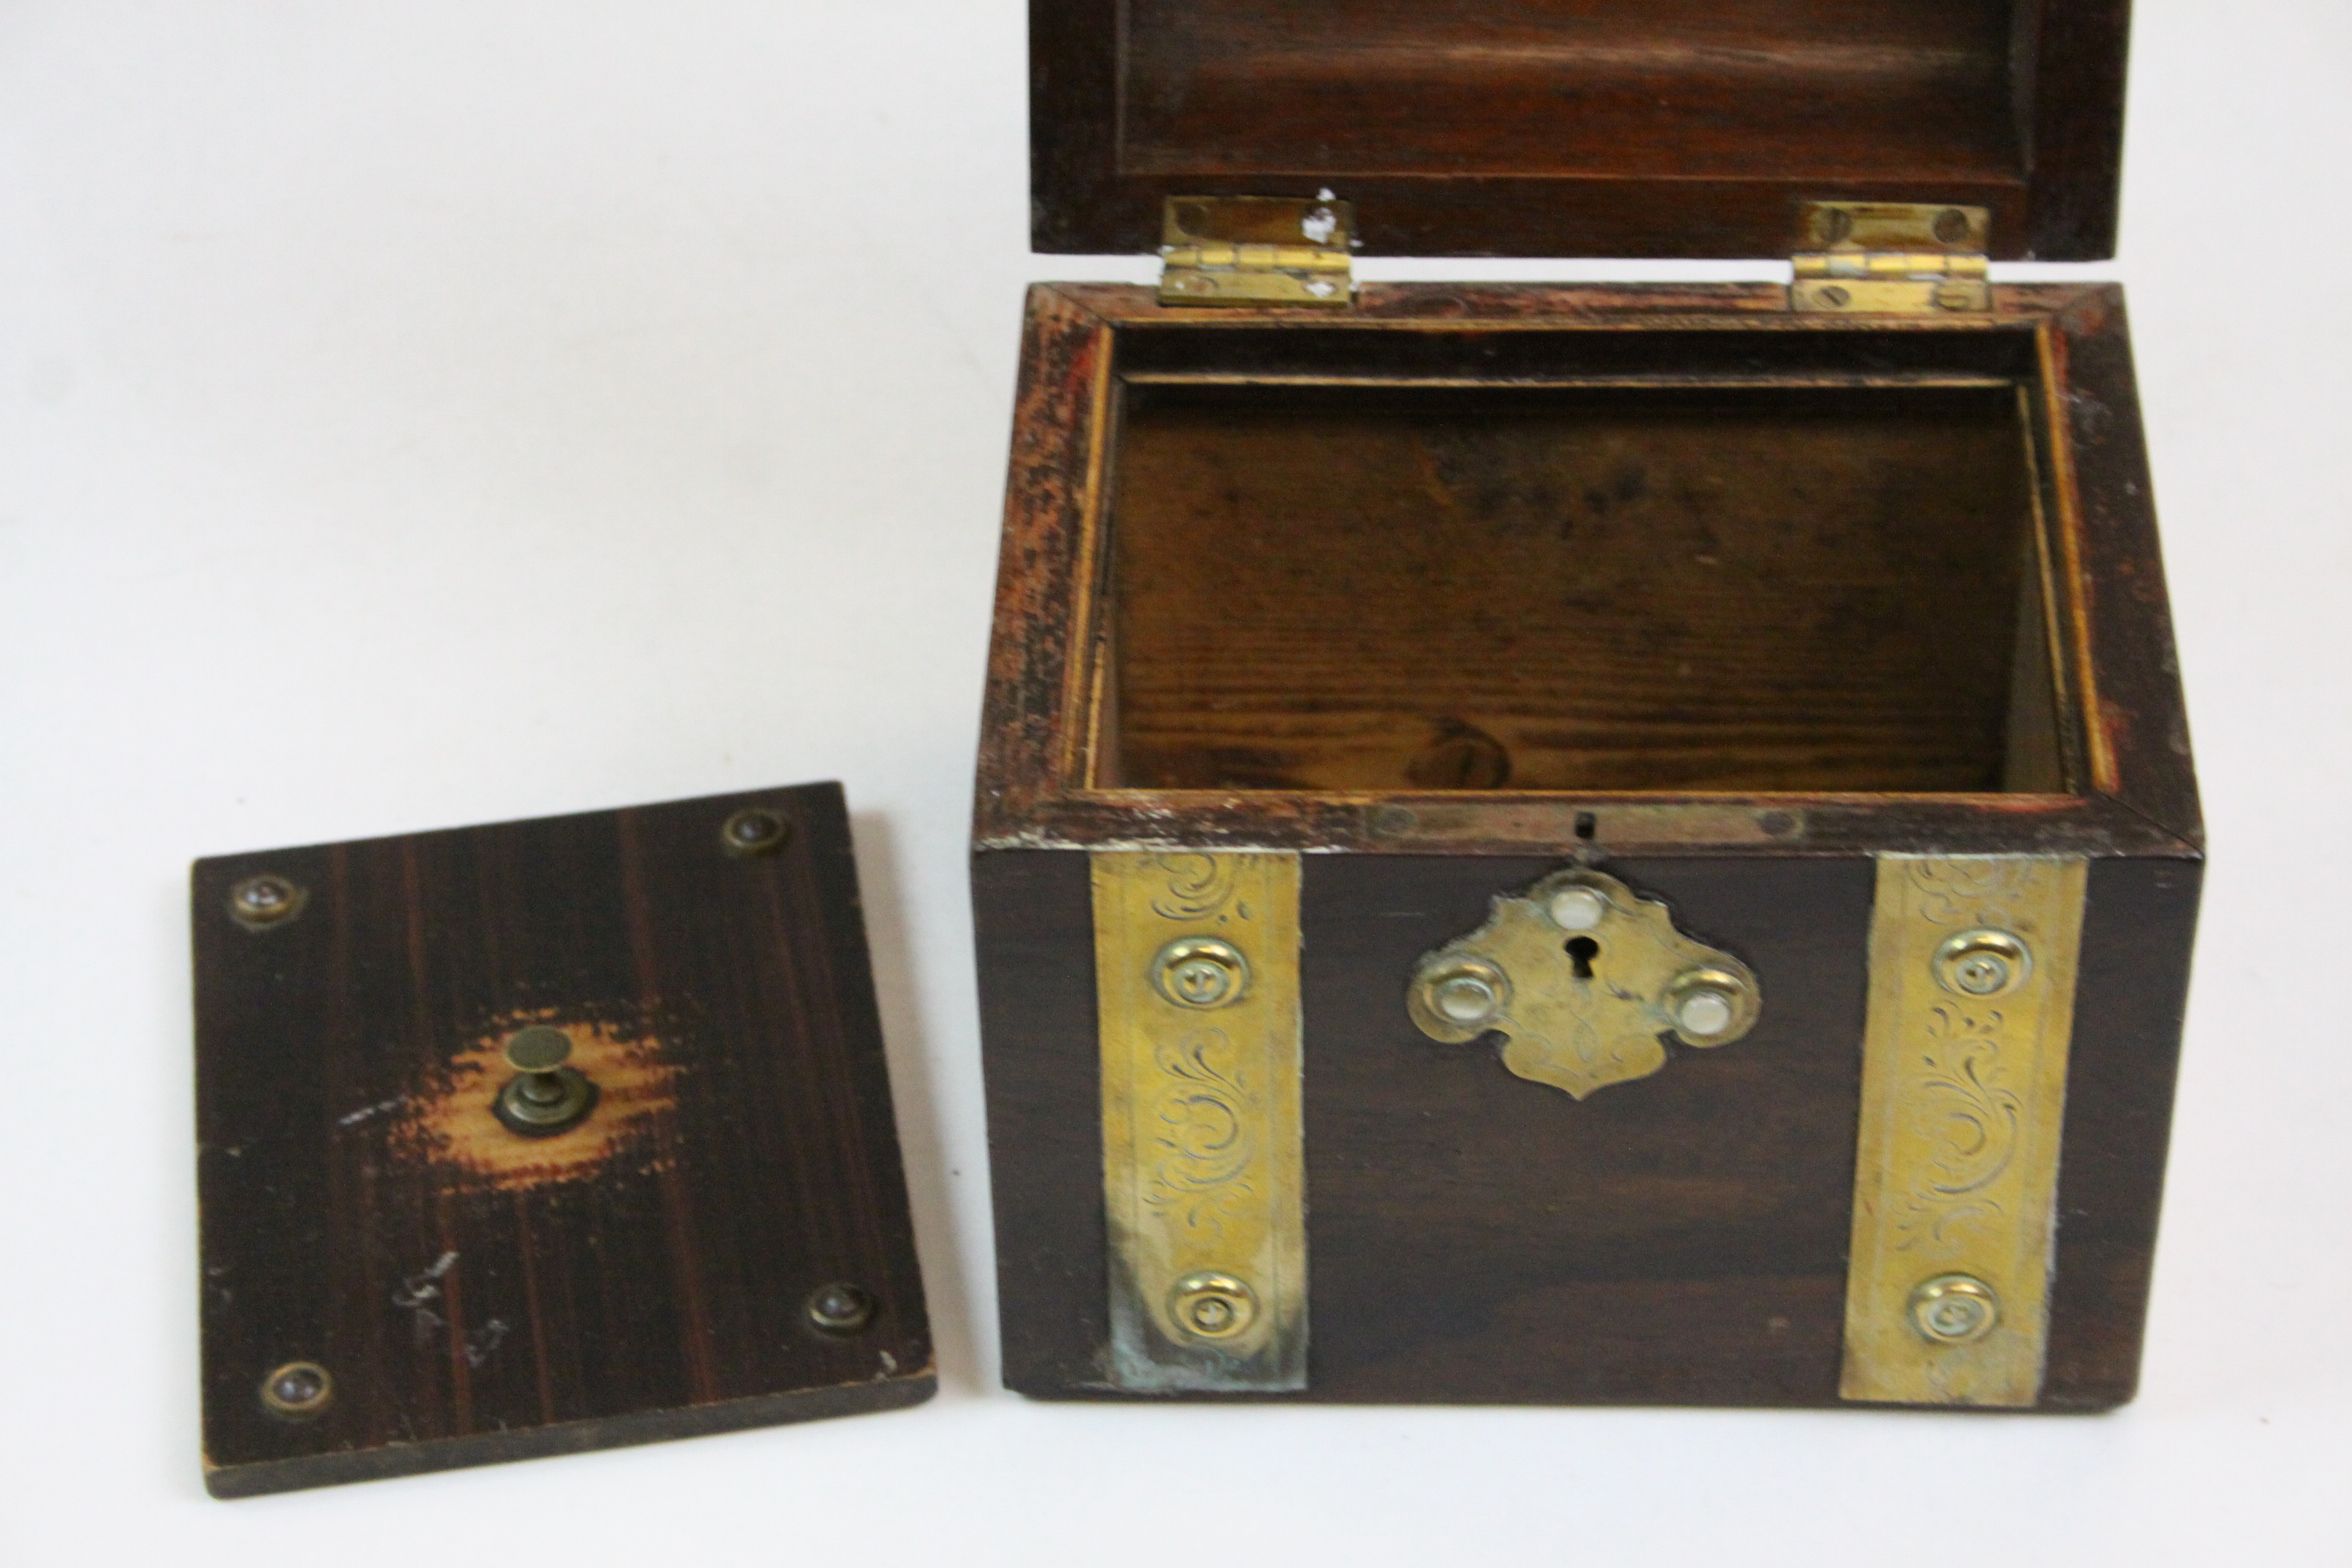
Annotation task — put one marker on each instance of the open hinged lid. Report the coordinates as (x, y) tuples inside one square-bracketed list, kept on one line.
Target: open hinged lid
[(542, 1137), (1688, 128)]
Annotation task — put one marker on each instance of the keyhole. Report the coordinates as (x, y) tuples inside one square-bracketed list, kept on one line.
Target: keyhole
[(1582, 950)]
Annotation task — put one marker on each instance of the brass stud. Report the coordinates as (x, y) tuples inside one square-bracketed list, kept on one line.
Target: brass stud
[(1213, 1306), (545, 1096), (298, 1391), (266, 900), (1459, 996), (1466, 998), (840, 1308), (1703, 1011), (1954, 1309), (1200, 971), (1711, 1006), (1983, 963), (755, 832), (1577, 908)]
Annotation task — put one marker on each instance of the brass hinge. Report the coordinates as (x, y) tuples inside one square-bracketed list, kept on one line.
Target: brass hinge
[(1892, 258), (1257, 250)]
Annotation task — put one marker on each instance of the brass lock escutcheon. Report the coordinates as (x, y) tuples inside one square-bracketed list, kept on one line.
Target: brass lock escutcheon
[(1585, 980)]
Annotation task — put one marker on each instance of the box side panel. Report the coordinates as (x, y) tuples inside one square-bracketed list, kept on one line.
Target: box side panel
[(2107, 502), (1042, 570), (1682, 1238), (1033, 914), (2070, 64), (1478, 1237), (2133, 990)]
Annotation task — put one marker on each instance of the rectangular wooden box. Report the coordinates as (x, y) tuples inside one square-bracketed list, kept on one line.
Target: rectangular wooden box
[(1809, 673)]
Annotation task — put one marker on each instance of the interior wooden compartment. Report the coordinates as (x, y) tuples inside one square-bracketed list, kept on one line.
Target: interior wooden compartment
[(1664, 585), (1840, 91)]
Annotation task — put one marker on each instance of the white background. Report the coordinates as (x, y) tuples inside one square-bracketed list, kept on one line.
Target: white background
[(436, 412)]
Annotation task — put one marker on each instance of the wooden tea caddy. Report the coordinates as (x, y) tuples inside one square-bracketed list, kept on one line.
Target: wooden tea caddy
[(1617, 843)]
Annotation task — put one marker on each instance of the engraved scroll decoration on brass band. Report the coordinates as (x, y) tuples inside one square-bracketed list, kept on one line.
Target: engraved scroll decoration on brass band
[(1203, 1174), (1971, 1007)]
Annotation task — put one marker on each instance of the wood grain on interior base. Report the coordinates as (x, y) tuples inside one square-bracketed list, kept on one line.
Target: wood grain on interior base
[(477, 1295), (1567, 588)]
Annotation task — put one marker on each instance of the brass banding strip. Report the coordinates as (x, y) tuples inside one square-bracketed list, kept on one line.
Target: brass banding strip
[(1971, 1012), (1197, 982)]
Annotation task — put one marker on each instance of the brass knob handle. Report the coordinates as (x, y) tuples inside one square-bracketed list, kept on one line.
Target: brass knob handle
[(545, 1095)]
